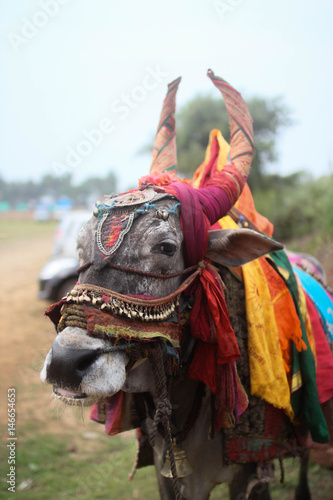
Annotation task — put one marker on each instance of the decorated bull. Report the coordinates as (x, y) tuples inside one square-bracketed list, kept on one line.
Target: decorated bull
[(198, 336)]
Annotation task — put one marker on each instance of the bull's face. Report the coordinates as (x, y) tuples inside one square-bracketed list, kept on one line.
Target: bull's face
[(79, 372), (75, 367)]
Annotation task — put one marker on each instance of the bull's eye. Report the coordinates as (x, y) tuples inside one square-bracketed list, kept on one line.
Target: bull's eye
[(166, 248)]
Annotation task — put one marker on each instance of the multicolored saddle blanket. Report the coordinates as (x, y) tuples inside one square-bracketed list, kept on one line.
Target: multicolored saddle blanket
[(289, 317)]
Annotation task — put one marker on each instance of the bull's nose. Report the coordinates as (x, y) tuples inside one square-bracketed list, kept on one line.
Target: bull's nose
[(68, 366)]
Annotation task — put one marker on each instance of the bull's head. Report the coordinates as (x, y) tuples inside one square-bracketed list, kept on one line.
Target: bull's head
[(138, 255)]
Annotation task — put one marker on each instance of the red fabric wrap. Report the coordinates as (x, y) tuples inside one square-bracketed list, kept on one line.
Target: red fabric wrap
[(210, 319), (216, 350), (323, 354), (109, 412), (200, 209), (203, 365), (229, 179)]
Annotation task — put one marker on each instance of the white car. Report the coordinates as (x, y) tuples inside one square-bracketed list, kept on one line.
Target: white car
[(58, 276)]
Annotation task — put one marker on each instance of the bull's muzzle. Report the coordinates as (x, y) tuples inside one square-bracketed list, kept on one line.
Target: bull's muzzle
[(69, 366), (81, 368)]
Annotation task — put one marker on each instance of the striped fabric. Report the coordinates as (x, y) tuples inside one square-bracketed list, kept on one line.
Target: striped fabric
[(241, 129), (164, 150)]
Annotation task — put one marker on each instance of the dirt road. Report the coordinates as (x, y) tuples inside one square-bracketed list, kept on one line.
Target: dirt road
[(26, 337)]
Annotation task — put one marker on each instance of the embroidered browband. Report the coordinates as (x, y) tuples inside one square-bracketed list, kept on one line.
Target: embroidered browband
[(120, 331), (117, 214)]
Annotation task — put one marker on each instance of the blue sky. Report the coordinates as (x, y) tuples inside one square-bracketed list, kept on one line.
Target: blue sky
[(82, 81)]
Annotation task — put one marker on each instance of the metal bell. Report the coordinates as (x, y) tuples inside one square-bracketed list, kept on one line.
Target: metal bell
[(182, 464), (162, 214)]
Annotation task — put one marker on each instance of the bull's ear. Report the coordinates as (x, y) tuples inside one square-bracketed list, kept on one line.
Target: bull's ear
[(236, 247)]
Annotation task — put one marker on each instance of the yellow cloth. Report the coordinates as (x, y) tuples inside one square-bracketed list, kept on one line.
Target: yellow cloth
[(269, 379), (222, 159), (267, 371)]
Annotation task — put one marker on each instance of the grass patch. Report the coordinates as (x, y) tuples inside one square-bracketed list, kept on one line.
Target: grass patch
[(11, 230), (54, 469)]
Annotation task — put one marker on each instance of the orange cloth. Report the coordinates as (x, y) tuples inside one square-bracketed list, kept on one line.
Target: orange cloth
[(246, 205), (287, 320), (245, 202)]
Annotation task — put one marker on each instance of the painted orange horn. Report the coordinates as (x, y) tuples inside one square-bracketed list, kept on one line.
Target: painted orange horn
[(164, 150), (241, 128)]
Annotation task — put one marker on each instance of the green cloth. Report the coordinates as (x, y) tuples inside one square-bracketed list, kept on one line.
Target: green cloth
[(305, 399)]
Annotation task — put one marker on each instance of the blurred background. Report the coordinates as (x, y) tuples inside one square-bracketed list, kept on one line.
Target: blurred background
[(81, 88)]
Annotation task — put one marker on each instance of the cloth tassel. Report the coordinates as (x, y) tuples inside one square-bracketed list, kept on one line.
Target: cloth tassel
[(210, 319)]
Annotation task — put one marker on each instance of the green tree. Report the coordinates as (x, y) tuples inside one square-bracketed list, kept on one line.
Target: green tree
[(56, 185), (297, 205)]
